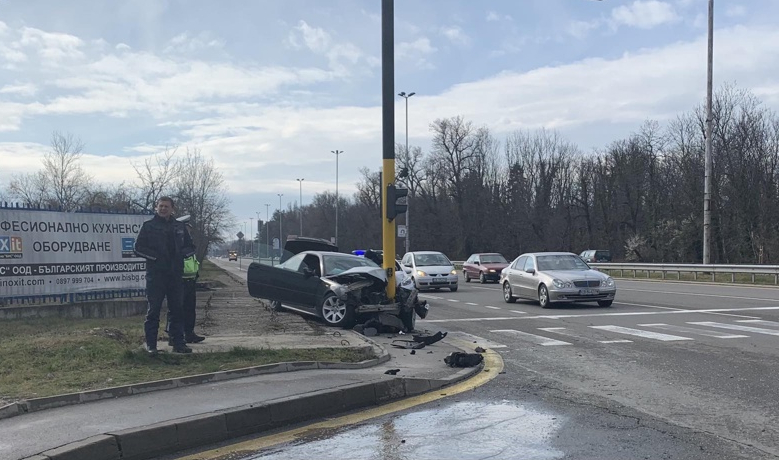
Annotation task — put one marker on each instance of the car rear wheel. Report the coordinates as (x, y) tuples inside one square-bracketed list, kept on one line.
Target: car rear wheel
[(465, 275), (543, 296), (507, 295), (276, 306), (605, 303), (335, 312), (482, 278)]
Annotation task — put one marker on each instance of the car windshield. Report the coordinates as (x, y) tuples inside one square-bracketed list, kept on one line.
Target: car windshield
[(561, 262), (493, 259), (336, 264), (429, 260)]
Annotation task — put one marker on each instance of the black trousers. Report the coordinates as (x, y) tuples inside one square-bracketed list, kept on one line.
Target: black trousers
[(161, 286), (188, 306)]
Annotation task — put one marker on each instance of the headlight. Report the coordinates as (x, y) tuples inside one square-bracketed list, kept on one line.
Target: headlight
[(492, 271), (421, 273), (608, 282), (454, 272), (560, 284)]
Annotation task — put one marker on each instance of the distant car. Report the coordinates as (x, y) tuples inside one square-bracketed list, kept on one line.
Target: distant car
[(551, 277), (232, 256), (484, 267), (596, 255), (430, 270)]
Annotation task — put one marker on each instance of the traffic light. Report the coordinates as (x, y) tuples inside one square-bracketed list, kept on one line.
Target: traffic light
[(393, 207)]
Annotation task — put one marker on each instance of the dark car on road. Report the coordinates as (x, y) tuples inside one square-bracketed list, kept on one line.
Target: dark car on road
[(484, 267), (596, 255), (339, 288)]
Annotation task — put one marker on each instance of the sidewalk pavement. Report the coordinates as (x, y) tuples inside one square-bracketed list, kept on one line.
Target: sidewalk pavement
[(152, 419)]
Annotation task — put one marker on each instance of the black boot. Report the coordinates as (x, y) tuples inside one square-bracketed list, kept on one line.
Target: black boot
[(194, 338)]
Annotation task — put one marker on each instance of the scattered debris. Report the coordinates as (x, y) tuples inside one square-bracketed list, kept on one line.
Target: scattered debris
[(413, 352), (479, 350), (370, 332), (460, 359), (392, 371), (428, 339), (407, 344)]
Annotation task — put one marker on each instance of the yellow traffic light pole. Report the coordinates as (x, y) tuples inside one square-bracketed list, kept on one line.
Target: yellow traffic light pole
[(388, 138)]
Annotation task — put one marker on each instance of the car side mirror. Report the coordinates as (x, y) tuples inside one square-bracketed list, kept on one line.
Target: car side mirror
[(532, 271), (476, 262)]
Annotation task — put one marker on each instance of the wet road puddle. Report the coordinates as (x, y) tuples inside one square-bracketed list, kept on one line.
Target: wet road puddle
[(463, 430)]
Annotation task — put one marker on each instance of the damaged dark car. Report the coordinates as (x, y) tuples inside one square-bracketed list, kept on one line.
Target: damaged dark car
[(341, 289)]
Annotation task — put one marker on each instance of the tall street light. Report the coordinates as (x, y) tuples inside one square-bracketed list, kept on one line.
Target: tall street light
[(408, 199), (300, 204), (258, 234), (267, 232), (280, 238), (251, 235), (707, 174), (336, 153)]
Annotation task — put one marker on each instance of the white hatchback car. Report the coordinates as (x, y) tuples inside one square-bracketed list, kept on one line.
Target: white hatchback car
[(430, 270)]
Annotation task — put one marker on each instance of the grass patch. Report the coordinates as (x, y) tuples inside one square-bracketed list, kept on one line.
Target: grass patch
[(52, 356)]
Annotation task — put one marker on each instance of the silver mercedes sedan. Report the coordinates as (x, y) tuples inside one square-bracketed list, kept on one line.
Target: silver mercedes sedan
[(556, 277)]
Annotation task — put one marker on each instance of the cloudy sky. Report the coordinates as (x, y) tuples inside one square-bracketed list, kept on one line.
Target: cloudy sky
[(269, 87)]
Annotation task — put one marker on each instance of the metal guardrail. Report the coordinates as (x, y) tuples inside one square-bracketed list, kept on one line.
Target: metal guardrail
[(695, 269)]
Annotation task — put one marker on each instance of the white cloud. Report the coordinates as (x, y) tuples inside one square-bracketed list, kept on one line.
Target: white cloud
[(341, 56), (26, 89), (581, 29), (123, 47), (184, 44), (492, 16), (456, 35), (644, 14), (416, 52), (735, 11), (52, 46)]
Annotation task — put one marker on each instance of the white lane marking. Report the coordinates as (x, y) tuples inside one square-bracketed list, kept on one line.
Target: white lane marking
[(679, 309), (471, 303), (452, 300), (640, 333), (518, 312), (594, 315), (537, 339), (492, 308), (428, 296), (562, 331), (759, 321), (702, 295), (691, 330), (476, 340), (737, 327)]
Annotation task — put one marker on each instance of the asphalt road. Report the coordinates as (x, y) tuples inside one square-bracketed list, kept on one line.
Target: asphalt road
[(670, 370)]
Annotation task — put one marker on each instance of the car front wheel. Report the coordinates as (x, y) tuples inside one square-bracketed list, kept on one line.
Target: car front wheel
[(482, 278), (543, 296), (335, 312), (465, 275), (507, 295)]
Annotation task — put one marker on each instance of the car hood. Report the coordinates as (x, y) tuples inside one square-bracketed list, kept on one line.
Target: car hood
[(496, 266), (300, 244), (436, 269), (571, 275), (358, 273)]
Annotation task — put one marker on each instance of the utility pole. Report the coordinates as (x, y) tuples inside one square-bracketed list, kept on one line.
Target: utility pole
[(388, 137), (707, 179), (281, 244), (251, 235), (267, 232), (408, 200), (300, 205), (337, 153)]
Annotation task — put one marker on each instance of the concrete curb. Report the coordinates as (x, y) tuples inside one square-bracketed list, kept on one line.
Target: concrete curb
[(190, 432), (50, 402)]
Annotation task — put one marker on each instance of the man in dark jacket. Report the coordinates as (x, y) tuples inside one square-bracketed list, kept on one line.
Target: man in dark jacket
[(164, 243)]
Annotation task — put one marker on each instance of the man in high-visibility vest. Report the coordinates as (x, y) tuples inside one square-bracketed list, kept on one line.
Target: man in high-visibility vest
[(189, 304)]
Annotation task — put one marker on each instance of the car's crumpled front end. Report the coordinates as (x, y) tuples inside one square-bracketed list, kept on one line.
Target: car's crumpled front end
[(364, 289)]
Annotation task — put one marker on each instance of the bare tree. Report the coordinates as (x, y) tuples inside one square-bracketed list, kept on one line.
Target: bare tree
[(201, 192), (156, 175), (67, 181), (31, 189)]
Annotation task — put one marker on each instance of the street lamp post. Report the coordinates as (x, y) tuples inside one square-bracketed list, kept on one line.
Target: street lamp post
[(267, 232), (408, 198), (251, 235), (300, 204), (258, 234), (337, 153), (280, 237), (707, 173)]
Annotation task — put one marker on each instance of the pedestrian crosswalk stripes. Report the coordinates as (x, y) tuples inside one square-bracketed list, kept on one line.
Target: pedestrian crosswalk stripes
[(692, 330), (641, 333), (737, 327), (537, 339)]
